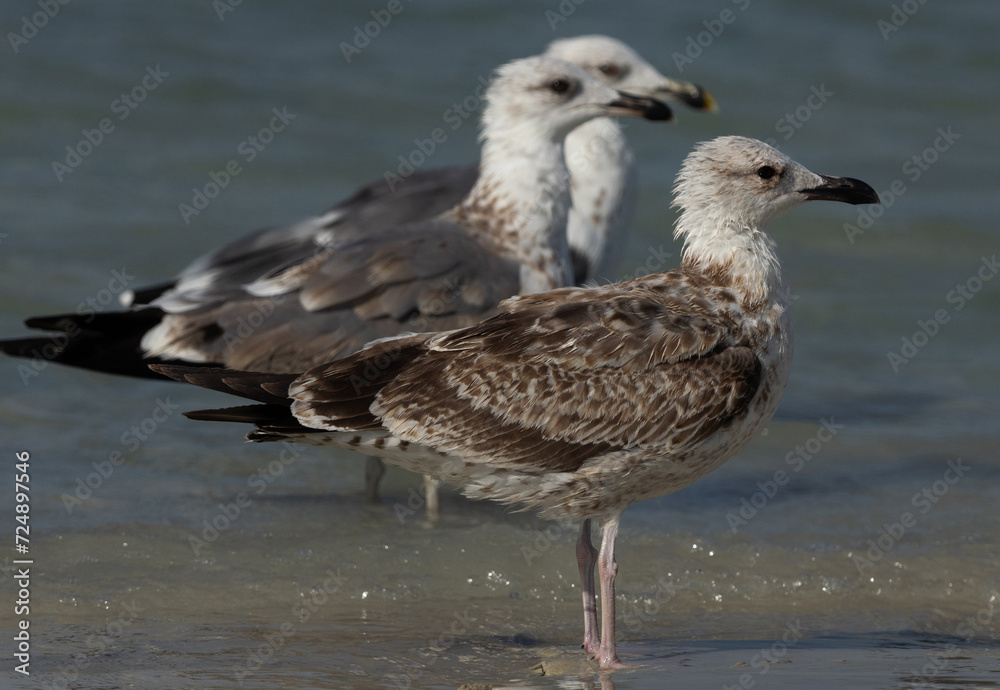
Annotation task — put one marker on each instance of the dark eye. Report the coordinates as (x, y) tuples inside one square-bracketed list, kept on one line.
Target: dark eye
[(610, 69), (765, 172), (559, 85)]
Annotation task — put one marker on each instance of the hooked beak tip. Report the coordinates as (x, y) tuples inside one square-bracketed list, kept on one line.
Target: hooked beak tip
[(848, 190), (640, 106)]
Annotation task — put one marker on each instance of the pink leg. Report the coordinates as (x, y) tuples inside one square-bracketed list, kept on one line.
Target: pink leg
[(586, 557), (431, 493), (374, 470), (608, 569)]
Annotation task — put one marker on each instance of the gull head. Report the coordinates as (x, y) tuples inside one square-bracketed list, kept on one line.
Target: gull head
[(548, 98), (620, 67), (738, 183)]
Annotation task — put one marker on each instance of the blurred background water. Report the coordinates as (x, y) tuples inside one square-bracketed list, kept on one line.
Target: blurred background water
[(870, 562)]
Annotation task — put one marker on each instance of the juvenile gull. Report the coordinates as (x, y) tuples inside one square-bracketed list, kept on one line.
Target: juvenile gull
[(286, 305), (580, 401), (210, 302)]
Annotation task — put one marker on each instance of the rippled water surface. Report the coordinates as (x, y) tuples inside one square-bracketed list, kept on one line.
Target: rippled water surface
[(854, 545)]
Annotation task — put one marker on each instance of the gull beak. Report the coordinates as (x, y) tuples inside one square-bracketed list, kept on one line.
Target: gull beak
[(687, 93), (639, 106), (846, 189)]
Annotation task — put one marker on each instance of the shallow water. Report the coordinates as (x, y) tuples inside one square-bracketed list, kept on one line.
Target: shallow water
[(870, 562)]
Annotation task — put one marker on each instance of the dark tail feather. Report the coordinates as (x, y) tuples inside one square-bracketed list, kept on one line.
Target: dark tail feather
[(107, 342), (273, 418), (274, 422), (246, 414), (271, 389)]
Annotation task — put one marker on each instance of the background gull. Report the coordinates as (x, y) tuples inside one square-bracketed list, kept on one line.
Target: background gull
[(601, 163), (579, 402), (598, 157), (218, 292), (287, 305), (227, 280), (119, 210)]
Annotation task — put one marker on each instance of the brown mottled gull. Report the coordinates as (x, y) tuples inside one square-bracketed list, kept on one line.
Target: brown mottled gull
[(215, 294), (298, 298), (579, 402)]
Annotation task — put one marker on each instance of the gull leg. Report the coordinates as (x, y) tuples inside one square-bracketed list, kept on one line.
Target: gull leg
[(586, 558), (374, 469), (431, 496), (608, 569)]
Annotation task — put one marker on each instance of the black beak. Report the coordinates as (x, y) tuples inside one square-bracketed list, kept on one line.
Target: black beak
[(692, 96), (639, 106), (698, 98), (846, 189)]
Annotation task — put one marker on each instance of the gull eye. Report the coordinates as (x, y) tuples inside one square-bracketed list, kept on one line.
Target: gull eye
[(559, 85), (610, 69), (765, 172)]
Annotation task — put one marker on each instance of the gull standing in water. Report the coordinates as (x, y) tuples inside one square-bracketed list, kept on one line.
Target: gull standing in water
[(580, 401), (225, 309), (229, 281), (600, 162)]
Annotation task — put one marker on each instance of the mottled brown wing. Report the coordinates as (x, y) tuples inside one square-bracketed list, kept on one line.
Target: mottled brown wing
[(632, 325), (559, 378), (549, 419)]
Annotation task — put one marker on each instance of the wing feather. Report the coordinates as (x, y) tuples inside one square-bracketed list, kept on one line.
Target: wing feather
[(557, 379)]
